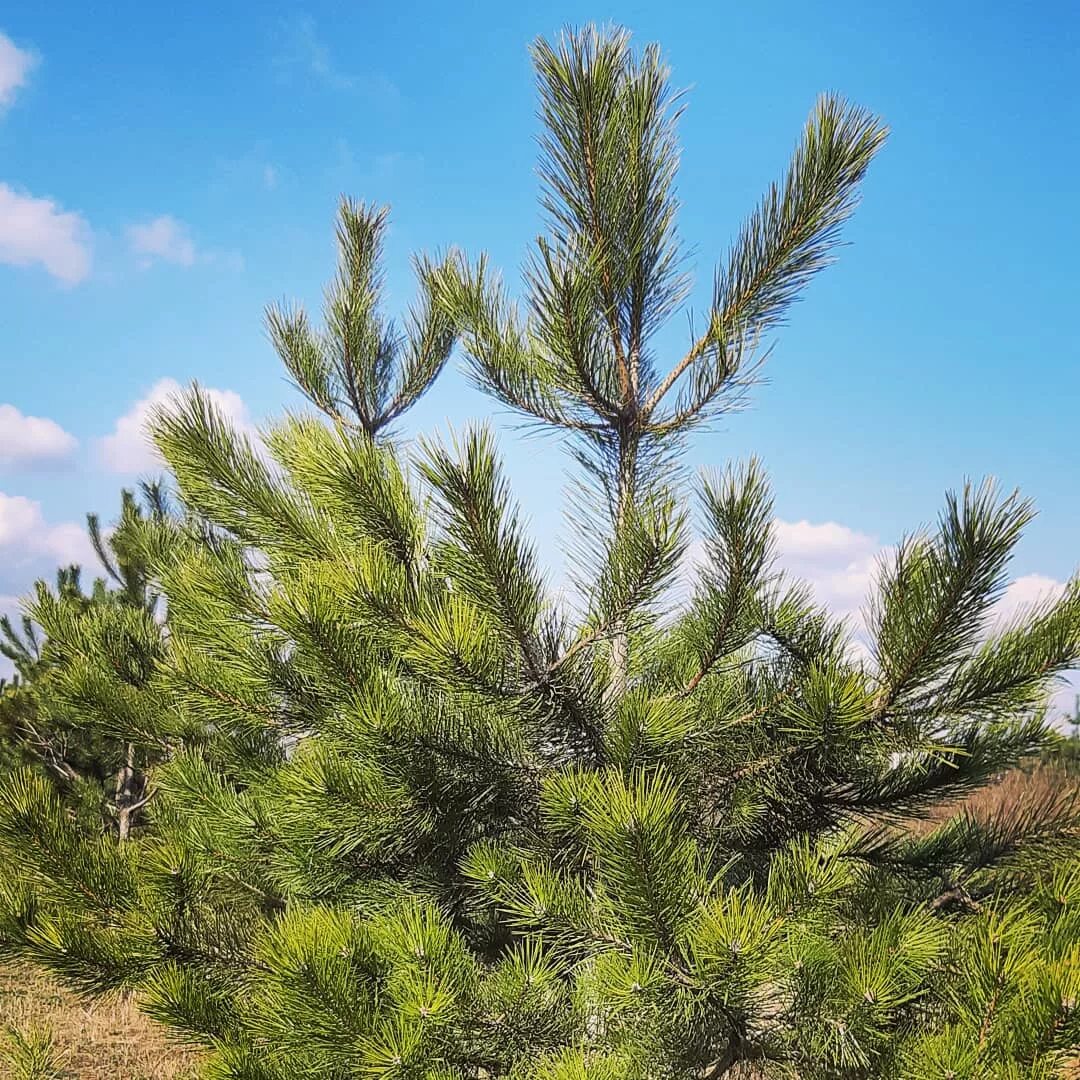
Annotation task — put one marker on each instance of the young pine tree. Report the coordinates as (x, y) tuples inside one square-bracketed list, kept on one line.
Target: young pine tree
[(65, 637), (417, 817)]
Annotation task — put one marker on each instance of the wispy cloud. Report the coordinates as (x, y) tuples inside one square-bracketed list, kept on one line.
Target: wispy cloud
[(37, 230), (303, 53), (164, 239), (305, 50), (376, 173), (15, 67), (247, 172)]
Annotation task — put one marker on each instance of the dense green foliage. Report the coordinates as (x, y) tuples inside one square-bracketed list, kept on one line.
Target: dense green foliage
[(94, 771), (417, 814)]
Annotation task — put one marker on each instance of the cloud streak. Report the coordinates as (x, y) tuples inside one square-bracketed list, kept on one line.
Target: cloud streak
[(303, 52)]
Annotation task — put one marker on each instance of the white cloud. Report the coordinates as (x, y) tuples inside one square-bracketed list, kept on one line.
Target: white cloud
[(15, 66), (841, 565), (838, 562), (26, 440), (30, 548), (165, 239), (270, 177), (129, 449), (1023, 593), (27, 540), (35, 230), (19, 516), (69, 543)]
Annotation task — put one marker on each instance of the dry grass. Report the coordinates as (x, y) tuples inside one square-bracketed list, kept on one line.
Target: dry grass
[(103, 1039), (1038, 783)]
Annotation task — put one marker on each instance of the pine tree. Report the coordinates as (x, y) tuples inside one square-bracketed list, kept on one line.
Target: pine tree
[(43, 717), (419, 817)]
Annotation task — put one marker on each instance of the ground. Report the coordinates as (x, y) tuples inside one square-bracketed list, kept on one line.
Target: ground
[(94, 1041)]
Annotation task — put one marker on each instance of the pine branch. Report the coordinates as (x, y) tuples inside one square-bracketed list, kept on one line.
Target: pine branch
[(789, 238), (739, 553), (362, 365), (489, 558), (937, 592)]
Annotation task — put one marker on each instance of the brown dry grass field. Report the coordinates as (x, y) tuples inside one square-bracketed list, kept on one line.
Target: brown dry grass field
[(104, 1039), (1038, 784), (110, 1039)]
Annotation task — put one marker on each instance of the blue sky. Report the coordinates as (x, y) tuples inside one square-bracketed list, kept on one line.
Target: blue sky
[(163, 175)]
